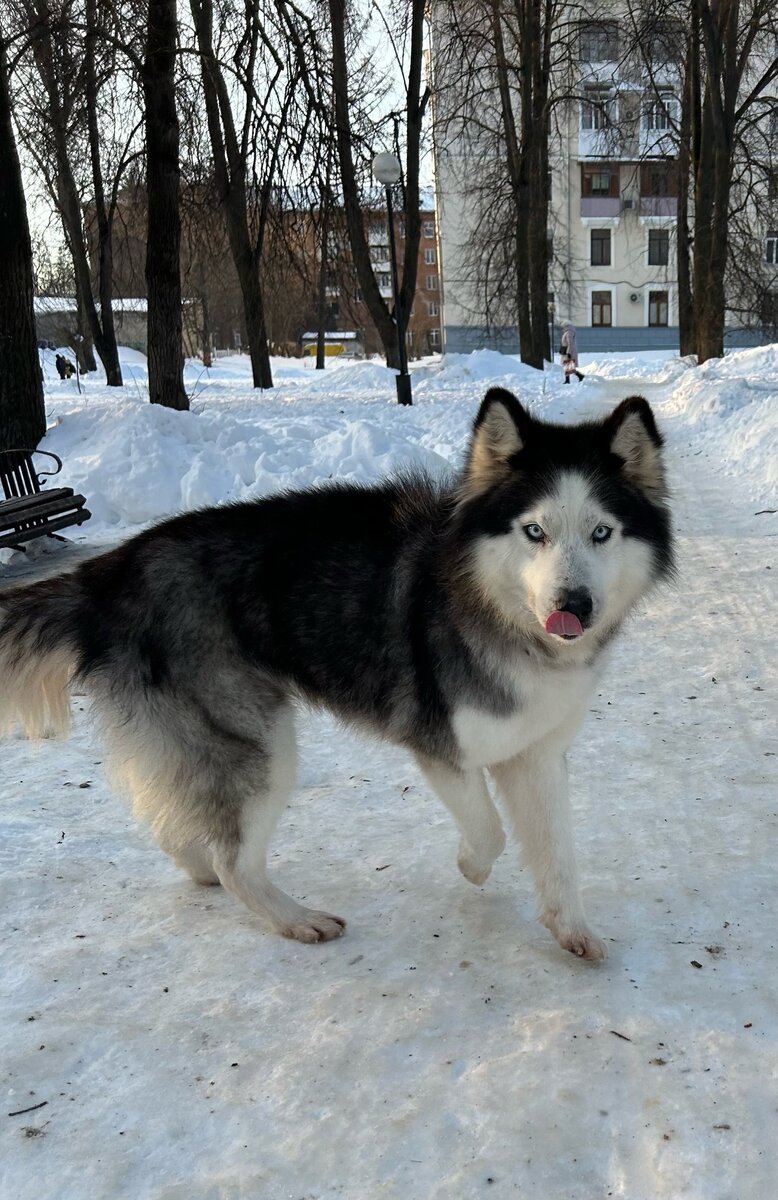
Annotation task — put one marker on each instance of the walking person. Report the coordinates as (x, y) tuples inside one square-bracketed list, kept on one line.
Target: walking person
[(569, 350)]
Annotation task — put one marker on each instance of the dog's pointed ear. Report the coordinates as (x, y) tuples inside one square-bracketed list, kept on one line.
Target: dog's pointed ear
[(634, 438), (499, 433)]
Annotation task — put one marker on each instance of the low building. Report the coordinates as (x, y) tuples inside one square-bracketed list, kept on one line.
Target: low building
[(56, 322)]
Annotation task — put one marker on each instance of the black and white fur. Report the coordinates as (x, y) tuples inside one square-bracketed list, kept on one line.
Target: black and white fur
[(413, 609)]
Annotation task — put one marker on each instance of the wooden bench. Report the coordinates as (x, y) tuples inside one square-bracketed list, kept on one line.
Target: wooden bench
[(27, 511)]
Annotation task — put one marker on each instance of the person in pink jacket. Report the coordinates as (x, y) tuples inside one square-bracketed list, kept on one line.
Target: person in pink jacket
[(569, 350)]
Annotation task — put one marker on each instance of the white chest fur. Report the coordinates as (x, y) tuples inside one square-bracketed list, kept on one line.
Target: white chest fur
[(545, 702)]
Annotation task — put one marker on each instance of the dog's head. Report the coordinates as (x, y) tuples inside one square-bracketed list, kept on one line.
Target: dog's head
[(567, 525)]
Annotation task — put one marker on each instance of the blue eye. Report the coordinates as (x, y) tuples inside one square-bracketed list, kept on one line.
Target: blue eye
[(601, 534), (534, 533)]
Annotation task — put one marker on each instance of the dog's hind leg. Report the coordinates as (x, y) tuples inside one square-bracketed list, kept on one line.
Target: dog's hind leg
[(466, 796), (211, 772), (197, 860), (242, 868)]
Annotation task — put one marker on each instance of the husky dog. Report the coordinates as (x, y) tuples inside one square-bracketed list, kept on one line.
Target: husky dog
[(465, 620)]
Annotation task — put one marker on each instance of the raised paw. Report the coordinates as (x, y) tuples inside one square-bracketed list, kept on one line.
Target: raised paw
[(312, 926), (477, 867)]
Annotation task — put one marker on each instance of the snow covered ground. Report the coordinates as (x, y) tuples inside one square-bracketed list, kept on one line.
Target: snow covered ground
[(168, 1048)]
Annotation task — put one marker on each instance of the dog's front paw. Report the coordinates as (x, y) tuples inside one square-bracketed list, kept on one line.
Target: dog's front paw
[(576, 937), (313, 926), (584, 944)]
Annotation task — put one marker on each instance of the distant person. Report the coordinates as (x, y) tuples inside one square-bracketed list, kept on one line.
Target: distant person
[(64, 366), (568, 348)]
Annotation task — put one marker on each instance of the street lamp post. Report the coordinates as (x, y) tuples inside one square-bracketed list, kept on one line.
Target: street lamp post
[(387, 170)]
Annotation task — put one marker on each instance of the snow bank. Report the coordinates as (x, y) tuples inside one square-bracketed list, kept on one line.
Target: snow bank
[(137, 462)]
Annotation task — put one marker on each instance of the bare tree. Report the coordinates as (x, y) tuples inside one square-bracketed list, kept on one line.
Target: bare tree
[(22, 414), (354, 154), (262, 82), (502, 68), (75, 65), (163, 241), (724, 53)]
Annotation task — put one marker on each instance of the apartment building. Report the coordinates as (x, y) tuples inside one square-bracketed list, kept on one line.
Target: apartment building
[(346, 307), (613, 212)]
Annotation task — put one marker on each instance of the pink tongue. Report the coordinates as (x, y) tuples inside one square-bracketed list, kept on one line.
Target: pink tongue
[(566, 624)]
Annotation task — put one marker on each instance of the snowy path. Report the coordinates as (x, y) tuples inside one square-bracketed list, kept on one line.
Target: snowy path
[(446, 1047)]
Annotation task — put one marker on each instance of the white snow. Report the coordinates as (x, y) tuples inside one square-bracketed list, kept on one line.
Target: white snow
[(445, 1048)]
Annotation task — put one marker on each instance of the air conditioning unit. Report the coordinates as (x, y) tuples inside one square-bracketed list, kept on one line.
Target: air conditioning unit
[(634, 297)]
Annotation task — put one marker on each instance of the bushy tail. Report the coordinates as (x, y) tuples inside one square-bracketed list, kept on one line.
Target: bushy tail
[(38, 655)]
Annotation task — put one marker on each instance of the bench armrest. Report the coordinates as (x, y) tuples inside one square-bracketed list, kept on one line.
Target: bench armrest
[(29, 454)]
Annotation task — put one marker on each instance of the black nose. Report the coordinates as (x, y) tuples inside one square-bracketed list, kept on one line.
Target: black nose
[(578, 602)]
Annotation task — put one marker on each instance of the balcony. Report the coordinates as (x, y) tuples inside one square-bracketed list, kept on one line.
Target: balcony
[(657, 143), (600, 206), (662, 208)]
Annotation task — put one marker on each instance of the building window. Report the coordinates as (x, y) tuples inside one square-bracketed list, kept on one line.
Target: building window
[(598, 41), (432, 283), (663, 41), (658, 247), (597, 109), (657, 308), (429, 257), (601, 248), (409, 337), (602, 310), (428, 228), (658, 179), (384, 279), (401, 229), (660, 112), (768, 310), (434, 337), (771, 249), (433, 308), (379, 254), (599, 179)]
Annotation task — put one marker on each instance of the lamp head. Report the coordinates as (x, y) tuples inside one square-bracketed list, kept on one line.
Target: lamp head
[(387, 169)]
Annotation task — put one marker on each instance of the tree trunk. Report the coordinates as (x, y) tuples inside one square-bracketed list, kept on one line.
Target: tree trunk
[(360, 249), (722, 38), (256, 330), (163, 242), (514, 170), (322, 297), (527, 163), (69, 201), (689, 106), (22, 413), (229, 168), (542, 28), (106, 345), (416, 104)]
